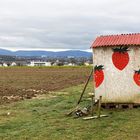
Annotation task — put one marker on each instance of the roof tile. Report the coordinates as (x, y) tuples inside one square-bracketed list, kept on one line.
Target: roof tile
[(117, 40)]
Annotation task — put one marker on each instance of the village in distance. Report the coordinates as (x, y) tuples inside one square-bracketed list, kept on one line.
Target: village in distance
[(65, 58)]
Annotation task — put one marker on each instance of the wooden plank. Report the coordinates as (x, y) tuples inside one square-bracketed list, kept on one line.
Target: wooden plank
[(94, 117), (99, 106)]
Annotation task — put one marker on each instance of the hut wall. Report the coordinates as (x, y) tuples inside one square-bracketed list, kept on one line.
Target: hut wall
[(118, 86)]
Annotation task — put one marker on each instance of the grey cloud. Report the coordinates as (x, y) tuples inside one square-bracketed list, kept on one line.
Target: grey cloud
[(66, 24)]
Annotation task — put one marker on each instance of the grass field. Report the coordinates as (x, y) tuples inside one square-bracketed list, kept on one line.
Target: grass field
[(43, 118)]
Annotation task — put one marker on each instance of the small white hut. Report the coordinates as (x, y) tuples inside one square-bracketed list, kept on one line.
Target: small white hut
[(117, 68)]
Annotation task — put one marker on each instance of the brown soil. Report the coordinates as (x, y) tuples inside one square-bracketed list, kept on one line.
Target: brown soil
[(17, 83)]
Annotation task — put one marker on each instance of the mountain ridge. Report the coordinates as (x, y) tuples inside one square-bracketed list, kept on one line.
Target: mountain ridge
[(39, 53)]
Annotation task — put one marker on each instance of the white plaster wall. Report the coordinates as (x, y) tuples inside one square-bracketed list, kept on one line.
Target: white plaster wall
[(118, 86)]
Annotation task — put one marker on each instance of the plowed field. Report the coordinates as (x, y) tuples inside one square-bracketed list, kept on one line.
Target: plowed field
[(17, 83)]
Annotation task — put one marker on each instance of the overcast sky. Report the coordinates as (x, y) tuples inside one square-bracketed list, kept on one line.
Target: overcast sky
[(64, 24)]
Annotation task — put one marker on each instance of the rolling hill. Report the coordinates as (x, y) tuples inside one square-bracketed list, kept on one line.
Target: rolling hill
[(71, 53)]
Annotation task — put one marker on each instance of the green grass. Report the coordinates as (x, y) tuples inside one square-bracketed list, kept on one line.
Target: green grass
[(44, 119)]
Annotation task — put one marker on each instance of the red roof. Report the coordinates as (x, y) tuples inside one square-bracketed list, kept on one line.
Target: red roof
[(117, 40)]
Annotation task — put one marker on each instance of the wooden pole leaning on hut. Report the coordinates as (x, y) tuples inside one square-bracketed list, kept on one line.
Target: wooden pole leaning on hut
[(81, 96), (91, 73), (92, 102)]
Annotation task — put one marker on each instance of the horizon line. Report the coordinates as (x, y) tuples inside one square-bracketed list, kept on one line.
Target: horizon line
[(53, 50)]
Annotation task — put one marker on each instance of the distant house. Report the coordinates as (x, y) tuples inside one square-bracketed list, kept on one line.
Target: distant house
[(13, 64), (21, 63), (86, 63), (71, 64), (66, 63), (39, 63), (58, 63), (5, 65)]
